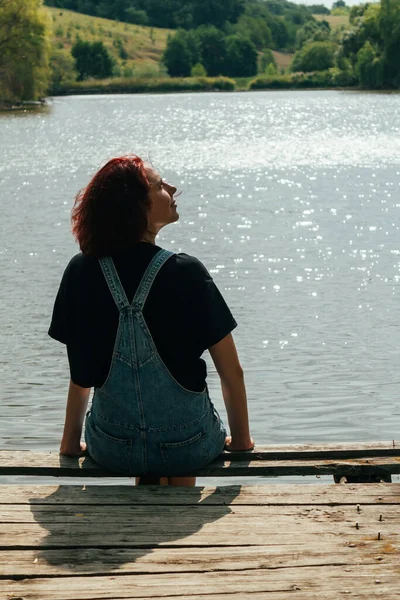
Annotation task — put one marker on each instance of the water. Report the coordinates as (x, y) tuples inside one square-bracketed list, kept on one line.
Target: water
[(291, 200)]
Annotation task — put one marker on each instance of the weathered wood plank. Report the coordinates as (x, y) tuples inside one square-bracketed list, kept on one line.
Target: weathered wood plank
[(120, 495), (385, 516), (68, 562), (376, 593), (52, 464), (318, 580), (206, 527)]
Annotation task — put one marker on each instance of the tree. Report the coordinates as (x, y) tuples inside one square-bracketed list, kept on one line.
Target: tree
[(369, 67), (255, 30), (133, 15), (317, 56), (280, 33), (267, 58), (63, 70), (213, 49), (198, 71), (312, 31), (24, 46), (241, 57), (92, 60), (319, 9), (177, 57), (216, 12), (389, 28)]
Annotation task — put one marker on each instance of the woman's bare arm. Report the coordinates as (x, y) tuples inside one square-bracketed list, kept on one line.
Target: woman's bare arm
[(226, 361), (78, 398)]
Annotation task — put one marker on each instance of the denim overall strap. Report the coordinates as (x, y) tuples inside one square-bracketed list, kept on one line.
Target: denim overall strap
[(148, 279), (114, 282)]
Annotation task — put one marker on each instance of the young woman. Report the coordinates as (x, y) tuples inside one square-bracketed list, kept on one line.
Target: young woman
[(136, 319)]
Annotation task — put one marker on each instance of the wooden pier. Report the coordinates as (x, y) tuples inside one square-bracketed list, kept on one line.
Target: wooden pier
[(233, 542)]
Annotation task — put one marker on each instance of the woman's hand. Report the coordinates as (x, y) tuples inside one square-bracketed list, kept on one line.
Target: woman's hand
[(73, 450), (239, 446)]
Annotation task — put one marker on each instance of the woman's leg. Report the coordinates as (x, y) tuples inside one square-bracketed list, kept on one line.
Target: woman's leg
[(175, 481)]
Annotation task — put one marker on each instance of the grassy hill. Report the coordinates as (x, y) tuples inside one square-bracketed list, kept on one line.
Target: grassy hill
[(134, 47)]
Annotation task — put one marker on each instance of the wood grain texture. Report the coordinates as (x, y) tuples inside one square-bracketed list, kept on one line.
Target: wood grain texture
[(74, 561), (268, 461), (272, 494), (312, 580), (273, 542)]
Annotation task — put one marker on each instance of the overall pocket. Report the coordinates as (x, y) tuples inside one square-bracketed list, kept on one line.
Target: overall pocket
[(185, 456), (110, 452)]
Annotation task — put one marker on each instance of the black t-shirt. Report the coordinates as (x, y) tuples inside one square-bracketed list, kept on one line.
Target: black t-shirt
[(184, 311)]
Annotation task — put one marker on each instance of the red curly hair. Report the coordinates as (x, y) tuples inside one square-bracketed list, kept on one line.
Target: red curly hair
[(110, 214)]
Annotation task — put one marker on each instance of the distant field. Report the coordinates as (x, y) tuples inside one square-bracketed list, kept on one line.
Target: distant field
[(143, 45), (335, 21)]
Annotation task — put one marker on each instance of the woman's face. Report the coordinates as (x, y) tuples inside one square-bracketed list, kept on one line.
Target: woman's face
[(162, 204)]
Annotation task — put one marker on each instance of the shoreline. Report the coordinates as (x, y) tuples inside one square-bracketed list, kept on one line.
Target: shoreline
[(109, 91)]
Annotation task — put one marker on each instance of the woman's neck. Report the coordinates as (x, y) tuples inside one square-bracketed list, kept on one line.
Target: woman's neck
[(150, 237)]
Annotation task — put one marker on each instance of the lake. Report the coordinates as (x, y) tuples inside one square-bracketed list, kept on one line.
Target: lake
[(291, 200)]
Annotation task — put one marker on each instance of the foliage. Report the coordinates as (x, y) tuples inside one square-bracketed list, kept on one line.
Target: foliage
[(372, 45), (159, 13), (331, 78), (148, 70), (267, 58), (24, 49), (256, 30), (133, 15), (369, 67), (317, 56), (319, 9), (136, 86), (389, 29), (198, 71), (213, 50), (219, 54), (92, 60), (177, 57), (63, 71), (271, 70), (241, 57), (312, 31)]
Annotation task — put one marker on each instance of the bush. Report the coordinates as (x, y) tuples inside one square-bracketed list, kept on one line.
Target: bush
[(321, 79), (137, 86), (267, 58), (317, 56), (271, 70), (198, 71), (92, 60), (138, 17), (147, 70)]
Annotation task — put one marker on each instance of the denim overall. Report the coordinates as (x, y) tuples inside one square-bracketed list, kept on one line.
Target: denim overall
[(142, 421)]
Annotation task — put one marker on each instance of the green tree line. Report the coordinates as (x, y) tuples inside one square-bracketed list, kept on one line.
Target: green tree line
[(365, 52), (187, 14)]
